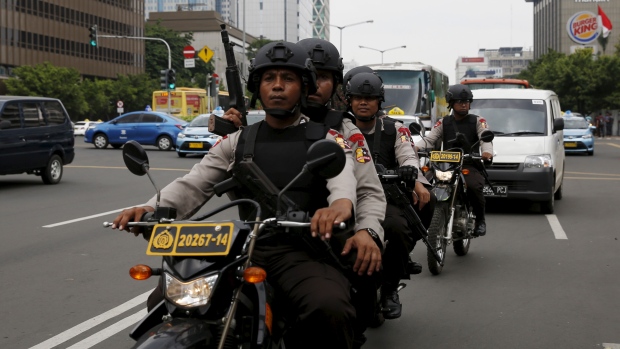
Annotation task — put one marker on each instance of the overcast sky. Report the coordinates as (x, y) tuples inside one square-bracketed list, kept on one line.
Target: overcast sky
[(435, 32)]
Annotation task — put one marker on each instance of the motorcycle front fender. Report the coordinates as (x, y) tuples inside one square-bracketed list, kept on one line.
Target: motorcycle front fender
[(179, 334), (443, 193)]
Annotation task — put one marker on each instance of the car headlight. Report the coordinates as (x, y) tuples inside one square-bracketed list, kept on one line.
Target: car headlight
[(538, 161), (588, 136), (192, 293), (443, 175), (214, 136), (181, 135)]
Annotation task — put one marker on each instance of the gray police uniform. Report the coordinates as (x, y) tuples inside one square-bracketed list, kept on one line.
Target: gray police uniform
[(315, 295)]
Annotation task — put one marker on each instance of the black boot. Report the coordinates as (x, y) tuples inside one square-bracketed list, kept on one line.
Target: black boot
[(481, 229), (390, 303)]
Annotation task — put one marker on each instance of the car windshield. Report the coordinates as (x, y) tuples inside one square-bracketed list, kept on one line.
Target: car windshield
[(512, 117), (575, 123), (200, 121)]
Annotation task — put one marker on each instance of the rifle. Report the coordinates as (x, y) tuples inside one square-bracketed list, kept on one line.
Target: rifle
[(218, 125), (394, 195)]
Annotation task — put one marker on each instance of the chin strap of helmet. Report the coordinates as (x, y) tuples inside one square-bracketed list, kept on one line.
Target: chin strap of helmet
[(364, 118), (283, 113), (315, 111)]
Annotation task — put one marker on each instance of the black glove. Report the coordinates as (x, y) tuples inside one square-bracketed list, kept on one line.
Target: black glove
[(408, 173)]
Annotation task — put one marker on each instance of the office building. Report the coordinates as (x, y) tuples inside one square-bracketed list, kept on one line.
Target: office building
[(320, 19), (38, 31), (179, 5), (567, 25), (504, 62), (289, 20), (205, 26)]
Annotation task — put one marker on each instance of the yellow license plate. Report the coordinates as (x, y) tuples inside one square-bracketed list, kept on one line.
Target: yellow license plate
[(195, 145), (208, 239), (570, 144), (445, 156)]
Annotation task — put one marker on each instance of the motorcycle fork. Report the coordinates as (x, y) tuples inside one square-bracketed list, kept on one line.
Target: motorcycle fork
[(448, 236)]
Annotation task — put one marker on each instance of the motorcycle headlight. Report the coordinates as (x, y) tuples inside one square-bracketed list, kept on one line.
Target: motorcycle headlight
[(538, 161), (181, 135), (443, 175), (192, 293)]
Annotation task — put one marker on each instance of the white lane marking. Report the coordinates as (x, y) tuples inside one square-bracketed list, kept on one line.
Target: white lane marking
[(84, 218), (109, 331), (88, 324), (556, 227)]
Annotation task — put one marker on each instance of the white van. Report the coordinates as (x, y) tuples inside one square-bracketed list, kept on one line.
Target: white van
[(528, 145)]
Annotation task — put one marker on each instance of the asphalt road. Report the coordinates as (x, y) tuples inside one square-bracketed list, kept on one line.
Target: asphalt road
[(65, 280)]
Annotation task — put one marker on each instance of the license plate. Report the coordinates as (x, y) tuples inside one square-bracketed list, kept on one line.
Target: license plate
[(195, 145), (497, 191), (208, 239), (570, 144), (445, 156)]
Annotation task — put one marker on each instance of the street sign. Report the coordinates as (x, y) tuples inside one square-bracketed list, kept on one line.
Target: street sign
[(205, 54), (120, 110), (119, 104), (189, 52), (190, 63)]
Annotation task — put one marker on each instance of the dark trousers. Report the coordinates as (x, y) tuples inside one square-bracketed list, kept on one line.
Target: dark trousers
[(401, 239), (475, 184)]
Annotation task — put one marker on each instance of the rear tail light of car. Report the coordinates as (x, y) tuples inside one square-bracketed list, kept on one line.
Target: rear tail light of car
[(179, 126)]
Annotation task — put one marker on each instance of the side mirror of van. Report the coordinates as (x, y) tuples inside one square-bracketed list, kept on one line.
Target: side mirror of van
[(558, 125), (415, 128)]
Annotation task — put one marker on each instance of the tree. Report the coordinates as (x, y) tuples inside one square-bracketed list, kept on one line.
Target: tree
[(47, 80), (156, 55), (255, 46)]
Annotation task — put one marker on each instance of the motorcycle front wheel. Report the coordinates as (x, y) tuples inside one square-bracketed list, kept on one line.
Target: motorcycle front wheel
[(436, 234), (461, 247)]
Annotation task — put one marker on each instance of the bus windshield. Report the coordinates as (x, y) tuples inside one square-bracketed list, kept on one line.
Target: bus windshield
[(402, 89)]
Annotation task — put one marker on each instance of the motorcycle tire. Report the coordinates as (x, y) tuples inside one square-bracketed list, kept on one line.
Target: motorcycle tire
[(461, 247), (436, 233)]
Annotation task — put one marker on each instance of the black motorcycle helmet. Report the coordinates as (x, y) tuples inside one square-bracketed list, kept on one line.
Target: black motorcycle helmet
[(356, 70), (287, 55), (325, 56), (458, 92), (365, 84)]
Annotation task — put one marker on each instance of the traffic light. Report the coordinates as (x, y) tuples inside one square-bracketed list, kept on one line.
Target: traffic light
[(209, 80), (172, 79), (163, 80), (93, 36)]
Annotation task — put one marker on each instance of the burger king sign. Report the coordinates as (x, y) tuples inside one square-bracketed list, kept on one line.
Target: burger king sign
[(582, 27)]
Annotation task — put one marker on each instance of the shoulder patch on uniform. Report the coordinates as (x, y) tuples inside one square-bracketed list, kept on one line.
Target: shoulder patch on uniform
[(219, 140), (437, 124), (483, 122), (341, 141), (362, 156), (357, 138)]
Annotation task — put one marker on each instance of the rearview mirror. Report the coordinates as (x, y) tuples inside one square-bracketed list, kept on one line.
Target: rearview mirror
[(135, 158), (487, 136), (325, 158), (415, 128), (558, 124)]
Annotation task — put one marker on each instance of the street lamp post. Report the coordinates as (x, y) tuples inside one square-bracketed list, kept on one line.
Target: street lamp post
[(382, 51), (345, 26)]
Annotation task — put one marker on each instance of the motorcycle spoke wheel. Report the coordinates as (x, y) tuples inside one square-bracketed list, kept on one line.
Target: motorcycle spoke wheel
[(461, 247), (436, 233)]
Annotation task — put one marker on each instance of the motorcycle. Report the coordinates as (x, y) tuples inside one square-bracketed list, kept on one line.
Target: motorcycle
[(214, 297), (453, 221)]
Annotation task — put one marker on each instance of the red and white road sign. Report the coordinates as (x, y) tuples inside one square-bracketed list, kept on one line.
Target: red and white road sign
[(189, 52), (119, 104)]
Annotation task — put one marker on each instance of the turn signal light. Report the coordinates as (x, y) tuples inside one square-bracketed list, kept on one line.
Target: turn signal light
[(254, 275), (425, 169), (465, 171), (140, 272)]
